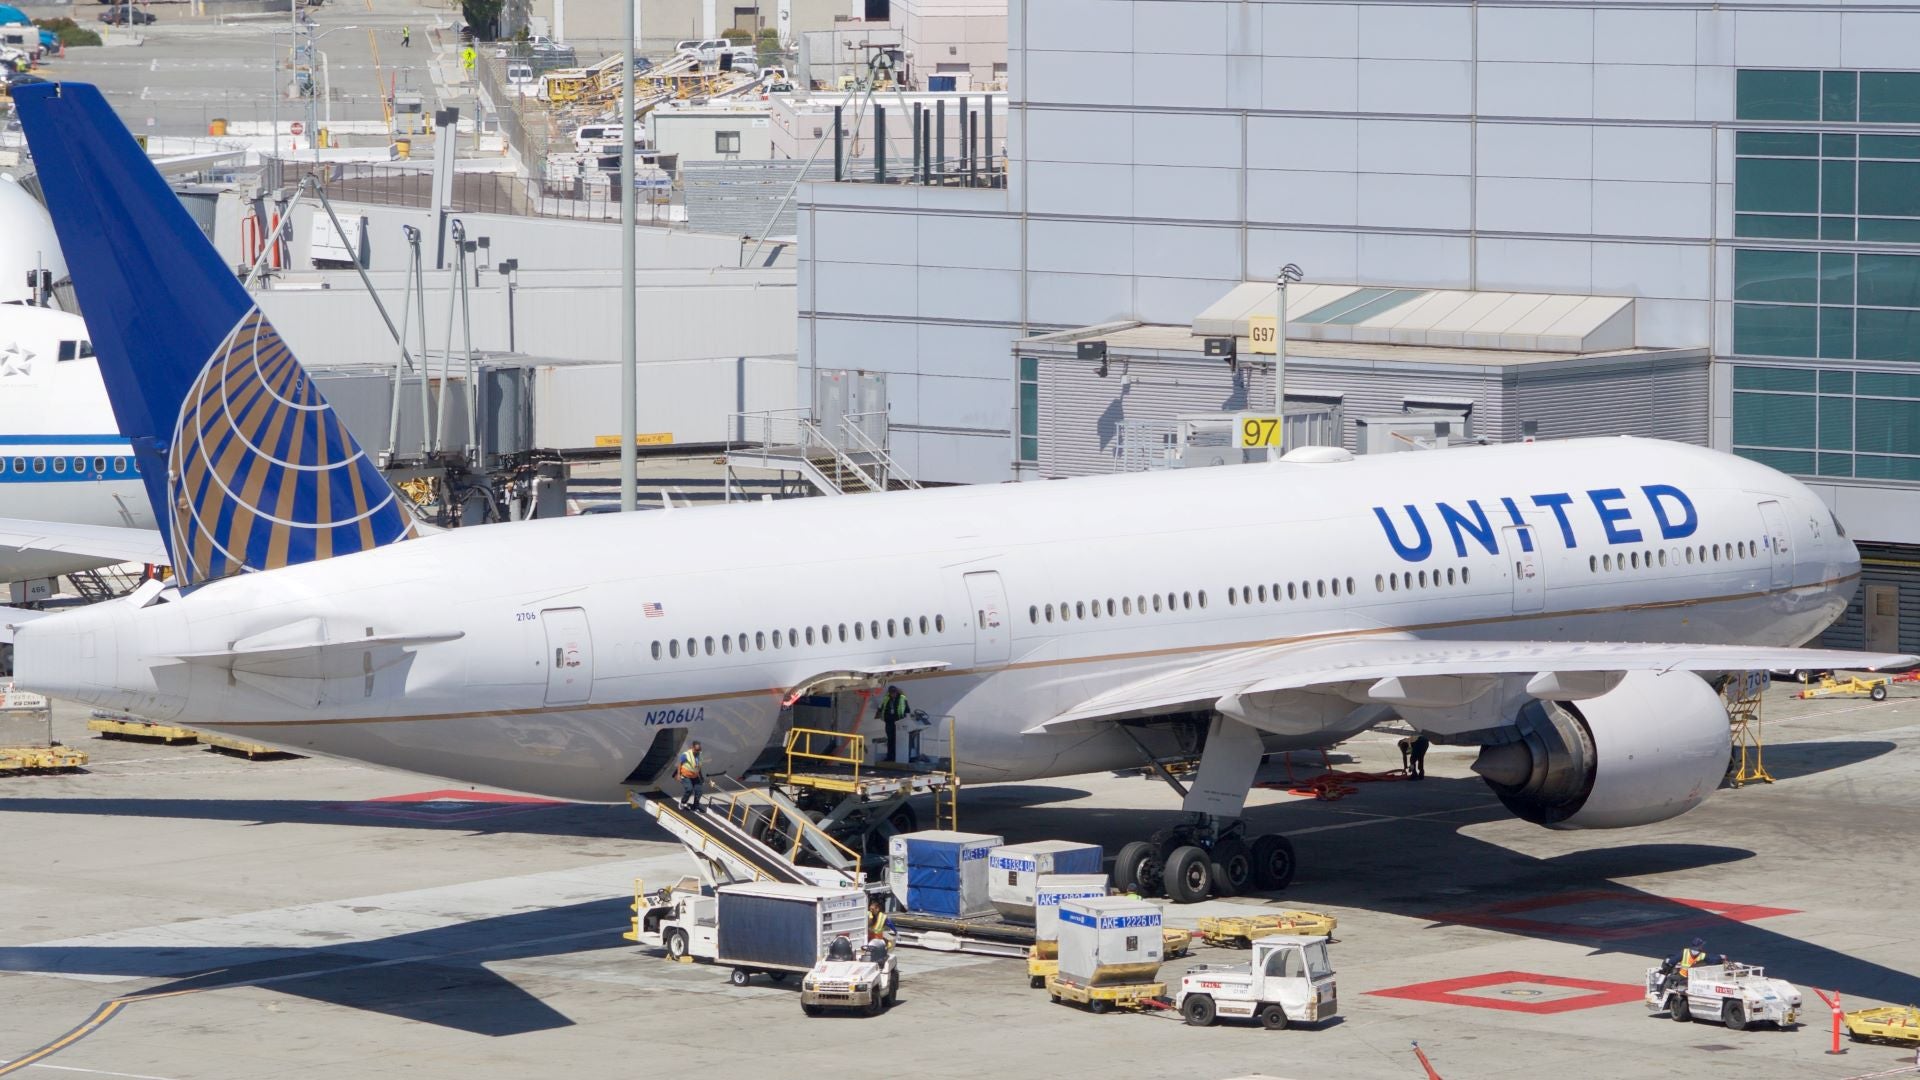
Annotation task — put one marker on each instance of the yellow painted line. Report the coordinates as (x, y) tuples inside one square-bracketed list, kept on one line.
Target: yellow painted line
[(380, 79)]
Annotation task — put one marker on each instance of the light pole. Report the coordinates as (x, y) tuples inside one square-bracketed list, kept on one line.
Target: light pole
[(1287, 274), (629, 341)]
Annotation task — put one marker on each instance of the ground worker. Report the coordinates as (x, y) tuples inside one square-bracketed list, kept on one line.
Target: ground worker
[(893, 709), (878, 926), (406, 37), (691, 776), (1695, 953), (1413, 756)]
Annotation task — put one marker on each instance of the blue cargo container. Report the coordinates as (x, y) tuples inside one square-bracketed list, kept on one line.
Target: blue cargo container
[(940, 872)]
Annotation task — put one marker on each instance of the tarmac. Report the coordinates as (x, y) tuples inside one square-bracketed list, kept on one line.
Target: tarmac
[(174, 913)]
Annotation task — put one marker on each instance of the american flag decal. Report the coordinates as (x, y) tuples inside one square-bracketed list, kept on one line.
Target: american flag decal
[(652, 610)]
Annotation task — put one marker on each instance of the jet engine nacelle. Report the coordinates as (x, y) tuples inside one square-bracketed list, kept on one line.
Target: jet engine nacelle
[(1647, 750)]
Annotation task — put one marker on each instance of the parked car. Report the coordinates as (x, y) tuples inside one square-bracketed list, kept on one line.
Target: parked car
[(121, 15), (705, 50)]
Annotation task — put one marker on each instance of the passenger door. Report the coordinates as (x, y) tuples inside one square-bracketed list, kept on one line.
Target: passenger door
[(569, 656), (1778, 542), (992, 634), (1520, 544)]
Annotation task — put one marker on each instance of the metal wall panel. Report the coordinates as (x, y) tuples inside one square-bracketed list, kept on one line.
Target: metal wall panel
[(1881, 565)]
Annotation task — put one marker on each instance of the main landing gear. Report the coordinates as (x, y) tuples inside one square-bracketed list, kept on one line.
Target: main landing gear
[(1190, 862), (1212, 855)]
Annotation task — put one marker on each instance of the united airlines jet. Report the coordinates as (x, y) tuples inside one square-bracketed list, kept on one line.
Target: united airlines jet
[(1554, 604)]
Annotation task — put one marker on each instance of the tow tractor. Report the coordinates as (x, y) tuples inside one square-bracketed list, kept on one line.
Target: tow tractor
[(1287, 980), (1737, 995), (867, 979), (677, 919)]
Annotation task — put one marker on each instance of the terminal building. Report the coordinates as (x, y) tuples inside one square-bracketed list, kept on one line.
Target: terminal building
[(1748, 177)]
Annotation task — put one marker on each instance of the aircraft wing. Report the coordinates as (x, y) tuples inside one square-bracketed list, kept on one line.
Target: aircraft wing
[(90, 541), (1428, 672)]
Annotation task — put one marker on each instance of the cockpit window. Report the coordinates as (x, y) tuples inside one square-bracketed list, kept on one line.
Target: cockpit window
[(1837, 527)]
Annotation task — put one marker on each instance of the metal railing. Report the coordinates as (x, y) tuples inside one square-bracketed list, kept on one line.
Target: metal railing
[(780, 826), (801, 747), (380, 184), (792, 439)]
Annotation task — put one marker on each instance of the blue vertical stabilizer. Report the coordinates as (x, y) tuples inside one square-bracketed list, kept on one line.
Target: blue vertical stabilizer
[(247, 466)]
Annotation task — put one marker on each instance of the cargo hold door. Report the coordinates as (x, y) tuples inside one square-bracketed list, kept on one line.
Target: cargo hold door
[(569, 658)]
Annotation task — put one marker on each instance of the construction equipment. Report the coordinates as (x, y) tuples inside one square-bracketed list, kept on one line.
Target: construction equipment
[(1896, 1024), (1287, 980), (1851, 686), (1241, 931), (1737, 995)]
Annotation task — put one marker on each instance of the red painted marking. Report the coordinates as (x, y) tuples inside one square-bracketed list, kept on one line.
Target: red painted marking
[(1508, 915), (447, 805), (1447, 992)]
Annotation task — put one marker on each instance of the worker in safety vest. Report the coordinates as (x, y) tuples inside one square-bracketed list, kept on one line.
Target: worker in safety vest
[(1693, 954), (893, 709), (878, 927), (691, 776), (406, 37)]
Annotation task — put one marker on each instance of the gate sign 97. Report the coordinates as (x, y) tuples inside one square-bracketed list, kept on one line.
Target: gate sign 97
[(1259, 432)]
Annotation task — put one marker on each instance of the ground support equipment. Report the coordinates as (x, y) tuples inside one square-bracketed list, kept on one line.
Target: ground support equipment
[(1241, 931), (1896, 1024), (1101, 999)]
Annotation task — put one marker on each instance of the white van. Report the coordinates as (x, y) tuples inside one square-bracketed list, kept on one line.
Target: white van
[(520, 77)]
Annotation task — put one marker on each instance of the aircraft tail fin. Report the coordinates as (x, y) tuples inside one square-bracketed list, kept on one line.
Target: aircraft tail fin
[(246, 465)]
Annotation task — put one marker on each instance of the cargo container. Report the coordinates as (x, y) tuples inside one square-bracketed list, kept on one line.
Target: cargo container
[(1109, 940), (778, 928), (940, 872), (1014, 869), (1052, 890)]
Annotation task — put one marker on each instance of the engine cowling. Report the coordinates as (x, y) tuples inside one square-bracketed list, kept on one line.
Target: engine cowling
[(1650, 749)]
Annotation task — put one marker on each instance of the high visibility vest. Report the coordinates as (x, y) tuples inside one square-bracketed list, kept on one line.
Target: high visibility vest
[(689, 765), (880, 927), (1690, 957), (893, 708)]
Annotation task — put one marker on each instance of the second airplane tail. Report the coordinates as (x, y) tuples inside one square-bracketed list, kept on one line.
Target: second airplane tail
[(247, 466)]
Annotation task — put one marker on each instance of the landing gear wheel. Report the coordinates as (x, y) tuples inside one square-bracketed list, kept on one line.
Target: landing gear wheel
[(1680, 1008), (1878, 693), (1734, 1016), (676, 944), (1198, 1010), (1189, 875), (1126, 865), (1273, 862), (1273, 1018), (739, 977), (1098, 1006), (1232, 866)]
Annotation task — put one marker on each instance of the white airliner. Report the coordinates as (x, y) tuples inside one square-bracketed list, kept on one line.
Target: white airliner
[(1551, 602), (69, 486)]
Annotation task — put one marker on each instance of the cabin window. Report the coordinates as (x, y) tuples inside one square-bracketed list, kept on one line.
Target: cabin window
[(708, 642), (1379, 583), (1203, 598), (1186, 601), (1093, 609), (1079, 609), (760, 641), (19, 464), (1156, 602), (1349, 586), (859, 631), (1449, 575), (656, 650), (940, 623), (923, 626), (59, 465), (906, 626)]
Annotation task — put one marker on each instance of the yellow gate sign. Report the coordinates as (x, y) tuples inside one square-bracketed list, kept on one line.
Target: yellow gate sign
[(1260, 334), (467, 57), (644, 438), (1259, 432)]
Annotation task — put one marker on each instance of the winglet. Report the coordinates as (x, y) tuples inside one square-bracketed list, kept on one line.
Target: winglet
[(246, 465)]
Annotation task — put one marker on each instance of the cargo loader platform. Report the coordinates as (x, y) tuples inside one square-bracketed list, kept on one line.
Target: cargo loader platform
[(1100, 999)]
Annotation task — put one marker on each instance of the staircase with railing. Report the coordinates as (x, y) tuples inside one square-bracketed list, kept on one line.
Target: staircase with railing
[(840, 457)]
